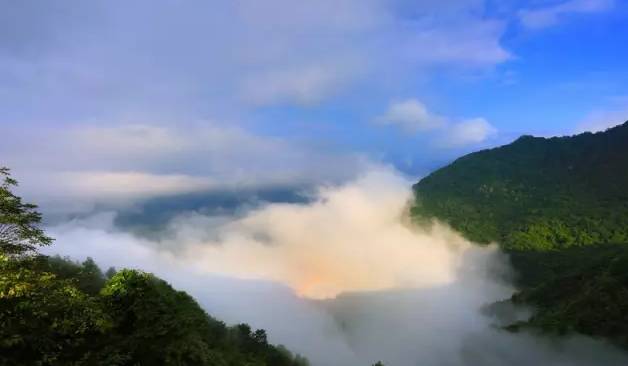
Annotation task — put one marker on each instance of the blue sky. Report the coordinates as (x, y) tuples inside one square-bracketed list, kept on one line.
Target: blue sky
[(129, 101)]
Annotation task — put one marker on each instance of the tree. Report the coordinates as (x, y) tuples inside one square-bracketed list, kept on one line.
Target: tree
[(110, 272), (90, 278), (19, 222), (45, 320), (156, 325)]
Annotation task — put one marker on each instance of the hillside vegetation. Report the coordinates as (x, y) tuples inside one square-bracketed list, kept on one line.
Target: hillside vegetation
[(536, 193), (54, 311), (559, 207)]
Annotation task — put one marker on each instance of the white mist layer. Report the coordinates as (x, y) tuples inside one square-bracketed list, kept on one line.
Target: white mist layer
[(415, 294), (350, 238)]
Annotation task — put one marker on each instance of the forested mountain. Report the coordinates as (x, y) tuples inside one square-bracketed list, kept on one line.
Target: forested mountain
[(559, 207), (57, 312), (536, 193)]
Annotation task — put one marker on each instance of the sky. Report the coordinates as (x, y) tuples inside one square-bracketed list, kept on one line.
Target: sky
[(122, 101)]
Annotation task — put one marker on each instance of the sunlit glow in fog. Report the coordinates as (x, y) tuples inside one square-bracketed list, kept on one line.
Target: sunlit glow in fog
[(350, 238)]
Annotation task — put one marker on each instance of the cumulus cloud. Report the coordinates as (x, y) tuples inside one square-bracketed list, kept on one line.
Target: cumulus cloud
[(397, 293), (468, 132), (550, 15), (412, 116)]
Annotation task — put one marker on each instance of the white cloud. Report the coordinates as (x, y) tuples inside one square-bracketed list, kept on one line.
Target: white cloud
[(305, 86), (312, 248), (411, 115), (475, 44), (468, 132), (128, 185), (182, 55), (352, 237), (547, 16), (127, 139), (83, 165), (598, 121), (65, 65)]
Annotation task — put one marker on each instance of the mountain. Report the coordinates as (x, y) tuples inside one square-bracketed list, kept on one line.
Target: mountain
[(559, 207), (536, 193)]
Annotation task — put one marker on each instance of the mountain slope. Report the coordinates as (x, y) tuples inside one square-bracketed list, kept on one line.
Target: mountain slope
[(536, 193), (559, 207)]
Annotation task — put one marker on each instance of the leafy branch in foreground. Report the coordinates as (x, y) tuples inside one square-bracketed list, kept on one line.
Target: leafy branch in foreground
[(20, 233)]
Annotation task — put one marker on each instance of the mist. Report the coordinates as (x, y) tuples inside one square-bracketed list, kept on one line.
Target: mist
[(343, 278)]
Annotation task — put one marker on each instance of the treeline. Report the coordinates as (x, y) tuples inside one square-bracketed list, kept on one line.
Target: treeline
[(54, 311), (579, 289), (559, 207), (536, 193)]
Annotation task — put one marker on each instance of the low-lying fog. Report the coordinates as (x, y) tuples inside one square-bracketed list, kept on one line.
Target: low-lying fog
[(343, 279)]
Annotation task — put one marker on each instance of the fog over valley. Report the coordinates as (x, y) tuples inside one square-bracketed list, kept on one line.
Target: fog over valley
[(351, 279)]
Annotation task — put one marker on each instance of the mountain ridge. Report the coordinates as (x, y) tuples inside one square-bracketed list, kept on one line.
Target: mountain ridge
[(559, 208), (535, 193)]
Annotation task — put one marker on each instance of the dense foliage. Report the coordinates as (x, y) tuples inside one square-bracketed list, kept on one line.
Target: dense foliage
[(45, 320), (582, 289), (57, 312), (536, 193), (553, 205)]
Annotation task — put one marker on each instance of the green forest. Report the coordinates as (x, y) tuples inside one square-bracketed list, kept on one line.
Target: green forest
[(54, 311), (559, 207)]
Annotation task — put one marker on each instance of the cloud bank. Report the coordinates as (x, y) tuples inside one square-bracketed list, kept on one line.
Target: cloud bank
[(343, 279), (241, 54), (85, 166), (349, 238)]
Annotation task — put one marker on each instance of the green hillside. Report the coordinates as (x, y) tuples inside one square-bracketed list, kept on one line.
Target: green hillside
[(57, 312), (536, 193), (582, 289), (559, 207)]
